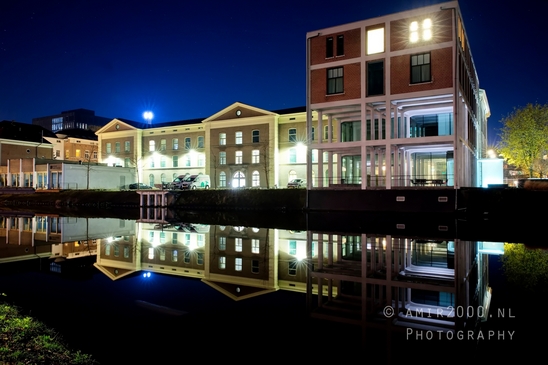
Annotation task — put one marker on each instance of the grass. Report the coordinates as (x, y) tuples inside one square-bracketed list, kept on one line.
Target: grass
[(25, 340)]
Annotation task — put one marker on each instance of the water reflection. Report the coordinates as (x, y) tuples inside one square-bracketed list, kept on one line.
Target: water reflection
[(399, 285)]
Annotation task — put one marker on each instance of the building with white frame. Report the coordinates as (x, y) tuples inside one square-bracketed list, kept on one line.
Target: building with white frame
[(402, 100)]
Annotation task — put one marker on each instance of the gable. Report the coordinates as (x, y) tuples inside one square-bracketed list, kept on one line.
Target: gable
[(238, 111), (115, 125)]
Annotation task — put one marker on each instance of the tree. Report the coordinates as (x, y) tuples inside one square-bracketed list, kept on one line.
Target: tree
[(524, 139)]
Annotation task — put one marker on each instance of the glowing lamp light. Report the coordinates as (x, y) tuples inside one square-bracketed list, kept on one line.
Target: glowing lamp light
[(148, 115)]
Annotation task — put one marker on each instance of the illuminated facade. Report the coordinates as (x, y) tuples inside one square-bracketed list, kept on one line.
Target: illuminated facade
[(402, 101), (239, 146)]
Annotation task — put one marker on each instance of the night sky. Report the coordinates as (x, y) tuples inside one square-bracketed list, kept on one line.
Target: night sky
[(190, 59)]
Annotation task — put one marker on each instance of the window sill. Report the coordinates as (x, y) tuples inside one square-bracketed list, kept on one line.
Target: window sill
[(334, 94), (421, 83)]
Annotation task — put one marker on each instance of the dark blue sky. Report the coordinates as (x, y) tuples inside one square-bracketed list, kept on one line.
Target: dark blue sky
[(190, 59)]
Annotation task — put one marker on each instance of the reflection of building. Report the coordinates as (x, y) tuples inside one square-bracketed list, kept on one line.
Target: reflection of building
[(402, 99), (424, 281)]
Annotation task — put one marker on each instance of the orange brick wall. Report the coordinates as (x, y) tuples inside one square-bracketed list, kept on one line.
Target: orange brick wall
[(441, 67), (352, 46), (352, 88)]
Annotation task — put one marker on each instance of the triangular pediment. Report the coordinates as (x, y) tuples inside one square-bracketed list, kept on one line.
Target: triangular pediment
[(238, 111), (114, 273), (117, 125), (237, 291)]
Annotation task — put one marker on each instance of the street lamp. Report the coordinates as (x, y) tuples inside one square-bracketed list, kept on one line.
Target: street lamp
[(148, 116)]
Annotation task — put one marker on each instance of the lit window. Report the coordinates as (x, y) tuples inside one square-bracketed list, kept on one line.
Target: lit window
[(255, 179), (375, 41), (238, 245), (117, 147), (254, 246), (174, 238), (174, 256), (335, 80), (292, 135), (420, 68), (239, 157), (175, 143), (222, 243), (175, 161), (222, 139), (255, 156), (427, 29), (200, 142), (238, 264), (292, 155), (126, 162), (239, 138), (163, 161), (222, 158), (255, 136), (109, 149), (293, 248), (127, 146), (424, 31), (314, 156), (78, 153), (151, 146), (187, 143), (163, 145), (222, 262), (187, 160), (201, 160), (222, 180)]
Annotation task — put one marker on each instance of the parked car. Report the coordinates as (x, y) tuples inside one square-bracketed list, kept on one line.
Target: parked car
[(139, 186), (297, 183)]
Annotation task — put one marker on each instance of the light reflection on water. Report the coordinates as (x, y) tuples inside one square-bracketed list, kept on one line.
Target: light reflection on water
[(145, 280)]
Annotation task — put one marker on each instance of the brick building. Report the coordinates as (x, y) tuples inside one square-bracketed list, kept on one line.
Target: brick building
[(402, 101)]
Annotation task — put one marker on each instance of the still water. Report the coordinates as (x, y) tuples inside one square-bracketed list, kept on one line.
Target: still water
[(160, 290)]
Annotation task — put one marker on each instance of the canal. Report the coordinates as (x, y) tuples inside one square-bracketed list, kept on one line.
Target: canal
[(159, 289)]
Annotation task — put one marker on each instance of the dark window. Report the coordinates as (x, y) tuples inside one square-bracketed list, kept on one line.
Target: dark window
[(375, 78), (335, 80), (255, 136), (340, 45), (329, 47), (420, 68)]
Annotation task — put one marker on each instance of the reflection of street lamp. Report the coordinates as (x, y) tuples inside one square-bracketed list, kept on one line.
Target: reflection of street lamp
[(148, 116)]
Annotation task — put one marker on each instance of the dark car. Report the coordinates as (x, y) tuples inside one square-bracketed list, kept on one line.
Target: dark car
[(297, 183), (139, 186)]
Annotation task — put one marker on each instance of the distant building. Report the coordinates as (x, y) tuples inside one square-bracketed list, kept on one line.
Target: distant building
[(77, 118), (22, 140), (75, 145)]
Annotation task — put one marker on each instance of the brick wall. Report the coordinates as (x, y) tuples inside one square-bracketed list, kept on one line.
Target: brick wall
[(441, 67)]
